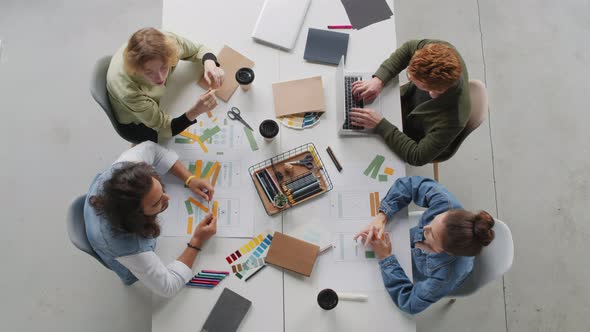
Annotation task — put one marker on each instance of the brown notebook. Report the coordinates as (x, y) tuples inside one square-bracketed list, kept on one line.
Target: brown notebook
[(230, 61), (292, 254)]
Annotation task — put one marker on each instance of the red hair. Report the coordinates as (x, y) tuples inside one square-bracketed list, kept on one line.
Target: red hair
[(436, 65)]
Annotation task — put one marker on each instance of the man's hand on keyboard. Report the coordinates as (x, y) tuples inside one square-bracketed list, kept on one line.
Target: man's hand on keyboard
[(367, 90), (365, 117)]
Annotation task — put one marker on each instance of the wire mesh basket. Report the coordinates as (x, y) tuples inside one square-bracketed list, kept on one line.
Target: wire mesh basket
[(298, 182)]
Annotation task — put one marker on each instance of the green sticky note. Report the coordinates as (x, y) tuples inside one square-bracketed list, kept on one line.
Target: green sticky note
[(208, 133), (189, 207), (369, 254), (382, 178), (375, 166), (251, 139), (182, 140), (206, 169)]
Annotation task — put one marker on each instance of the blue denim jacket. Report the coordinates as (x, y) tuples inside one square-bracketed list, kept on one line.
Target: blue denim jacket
[(108, 243), (435, 275)]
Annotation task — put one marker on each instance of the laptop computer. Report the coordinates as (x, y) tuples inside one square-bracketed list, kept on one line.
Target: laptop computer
[(345, 101)]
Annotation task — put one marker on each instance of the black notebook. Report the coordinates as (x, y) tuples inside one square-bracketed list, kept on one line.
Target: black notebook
[(325, 46), (227, 313)]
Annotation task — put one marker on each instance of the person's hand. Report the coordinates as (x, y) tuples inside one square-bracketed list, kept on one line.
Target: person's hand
[(365, 117), (374, 228), (205, 230), (381, 247), (201, 187), (206, 103), (367, 90), (213, 74)]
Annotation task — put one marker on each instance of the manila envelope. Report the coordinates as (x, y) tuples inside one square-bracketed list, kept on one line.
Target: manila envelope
[(299, 96), (230, 61), (292, 254)]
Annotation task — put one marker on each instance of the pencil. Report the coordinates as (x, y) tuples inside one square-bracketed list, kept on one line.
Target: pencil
[(250, 276), (333, 157)]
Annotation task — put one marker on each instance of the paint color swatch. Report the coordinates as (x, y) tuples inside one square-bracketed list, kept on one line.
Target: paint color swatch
[(382, 178), (374, 203), (388, 171), (259, 241), (208, 133), (375, 166), (199, 205), (251, 139), (189, 225)]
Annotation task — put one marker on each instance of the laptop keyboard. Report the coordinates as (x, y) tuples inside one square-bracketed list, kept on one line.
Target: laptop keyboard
[(350, 101)]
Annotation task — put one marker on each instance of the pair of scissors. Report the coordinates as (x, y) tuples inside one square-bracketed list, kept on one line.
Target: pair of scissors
[(307, 162), (234, 114)]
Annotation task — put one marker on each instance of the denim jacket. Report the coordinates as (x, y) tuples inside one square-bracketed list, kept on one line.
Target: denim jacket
[(435, 275)]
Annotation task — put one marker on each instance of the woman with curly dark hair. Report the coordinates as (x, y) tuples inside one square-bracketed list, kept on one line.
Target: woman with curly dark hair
[(121, 221), (444, 243)]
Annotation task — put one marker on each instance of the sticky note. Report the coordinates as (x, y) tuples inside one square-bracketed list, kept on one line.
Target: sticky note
[(382, 178), (189, 225), (388, 171)]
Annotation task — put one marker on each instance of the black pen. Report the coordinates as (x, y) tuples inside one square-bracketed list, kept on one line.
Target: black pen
[(333, 157), (250, 276)]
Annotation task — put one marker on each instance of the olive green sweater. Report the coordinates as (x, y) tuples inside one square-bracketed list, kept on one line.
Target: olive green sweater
[(136, 100), (441, 119)]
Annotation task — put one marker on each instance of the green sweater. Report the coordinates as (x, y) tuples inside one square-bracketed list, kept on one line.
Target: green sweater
[(136, 100), (439, 120)]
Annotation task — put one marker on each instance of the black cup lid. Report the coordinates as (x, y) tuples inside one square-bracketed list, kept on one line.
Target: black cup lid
[(327, 299), (245, 75), (269, 128)]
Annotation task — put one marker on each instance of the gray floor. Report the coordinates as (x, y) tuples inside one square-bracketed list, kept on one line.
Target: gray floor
[(527, 165)]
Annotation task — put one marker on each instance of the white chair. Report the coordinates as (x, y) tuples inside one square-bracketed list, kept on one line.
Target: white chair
[(494, 260), (478, 96)]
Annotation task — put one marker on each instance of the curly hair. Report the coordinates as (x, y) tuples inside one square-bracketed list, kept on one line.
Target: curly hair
[(467, 233), (148, 44), (120, 200), (436, 65)]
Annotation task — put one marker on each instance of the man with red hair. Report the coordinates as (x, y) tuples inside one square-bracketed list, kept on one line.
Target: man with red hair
[(435, 103)]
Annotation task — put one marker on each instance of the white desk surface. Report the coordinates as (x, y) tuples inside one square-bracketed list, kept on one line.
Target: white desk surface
[(283, 301)]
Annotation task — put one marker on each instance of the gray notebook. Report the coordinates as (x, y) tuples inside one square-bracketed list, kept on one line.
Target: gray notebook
[(227, 313), (325, 46)]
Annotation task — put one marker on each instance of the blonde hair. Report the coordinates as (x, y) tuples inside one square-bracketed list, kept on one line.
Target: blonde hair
[(436, 65), (148, 44)]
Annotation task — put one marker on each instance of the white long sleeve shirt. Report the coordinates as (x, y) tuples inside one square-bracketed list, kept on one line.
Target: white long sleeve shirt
[(164, 280)]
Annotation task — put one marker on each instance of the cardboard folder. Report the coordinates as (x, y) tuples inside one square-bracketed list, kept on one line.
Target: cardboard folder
[(292, 254), (298, 96), (230, 61)]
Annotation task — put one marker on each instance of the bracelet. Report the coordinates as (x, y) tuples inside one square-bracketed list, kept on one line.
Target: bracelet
[(192, 247), (188, 180)]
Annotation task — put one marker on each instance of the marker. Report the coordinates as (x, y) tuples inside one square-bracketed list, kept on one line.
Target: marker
[(190, 284), (326, 248), (334, 160), (339, 26), (215, 272), (210, 276), (250, 276), (205, 280)]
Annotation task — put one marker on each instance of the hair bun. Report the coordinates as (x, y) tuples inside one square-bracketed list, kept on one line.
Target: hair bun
[(482, 228)]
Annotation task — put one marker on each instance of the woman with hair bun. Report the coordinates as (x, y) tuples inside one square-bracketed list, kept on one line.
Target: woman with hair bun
[(443, 243)]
